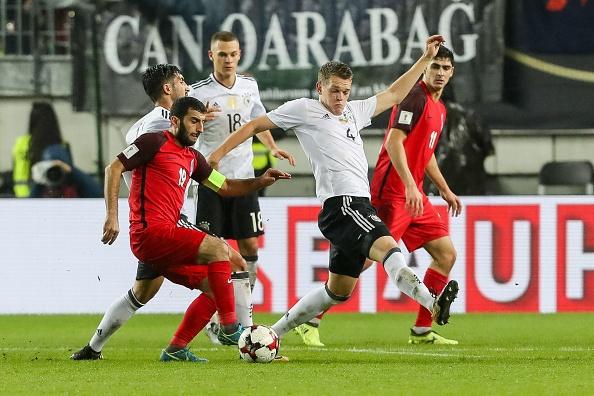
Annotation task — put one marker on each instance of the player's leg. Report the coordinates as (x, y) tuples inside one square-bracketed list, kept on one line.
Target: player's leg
[(248, 248), (145, 287), (195, 318), (214, 215), (408, 282), (244, 224), (338, 289), (215, 254), (345, 228), (430, 232), (243, 297), (443, 254), (310, 331)]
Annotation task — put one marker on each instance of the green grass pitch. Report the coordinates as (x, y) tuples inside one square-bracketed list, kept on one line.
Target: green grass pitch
[(521, 354)]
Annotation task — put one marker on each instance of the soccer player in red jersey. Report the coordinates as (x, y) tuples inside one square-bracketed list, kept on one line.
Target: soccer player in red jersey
[(397, 186), (162, 164)]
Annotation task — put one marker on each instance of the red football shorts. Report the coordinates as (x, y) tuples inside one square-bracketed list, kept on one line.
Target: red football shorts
[(171, 251), (414, 231)]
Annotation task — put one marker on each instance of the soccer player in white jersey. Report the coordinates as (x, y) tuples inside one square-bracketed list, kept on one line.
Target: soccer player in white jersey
[(163, 83), (237, 99), (329, 132)]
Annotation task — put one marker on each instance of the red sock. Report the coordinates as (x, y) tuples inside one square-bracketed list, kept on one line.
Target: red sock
[(219, 279), (435, 282), (196, 317)]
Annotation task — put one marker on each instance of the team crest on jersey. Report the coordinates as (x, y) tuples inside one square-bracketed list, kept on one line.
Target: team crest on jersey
[(346, 118), (247, 98)]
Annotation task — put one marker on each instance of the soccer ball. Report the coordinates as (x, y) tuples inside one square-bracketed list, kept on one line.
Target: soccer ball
[(258, 344)]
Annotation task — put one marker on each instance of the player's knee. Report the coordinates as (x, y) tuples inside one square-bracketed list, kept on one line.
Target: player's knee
[(337, 296), (248, 247), (145, 290), (212, 250), (447, 259), (451, 257)]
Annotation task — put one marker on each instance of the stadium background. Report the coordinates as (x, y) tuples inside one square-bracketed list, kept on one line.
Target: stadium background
[(523, 67)]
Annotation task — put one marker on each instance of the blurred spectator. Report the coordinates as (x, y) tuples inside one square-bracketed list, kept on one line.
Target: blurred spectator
[(465, 143), (42, 162)]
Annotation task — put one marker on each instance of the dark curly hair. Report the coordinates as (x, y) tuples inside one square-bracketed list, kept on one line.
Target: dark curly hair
[(155, 76)]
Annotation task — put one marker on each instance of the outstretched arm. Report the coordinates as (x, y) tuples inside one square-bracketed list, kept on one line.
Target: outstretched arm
[(432, 171), (253, 127), (111, 227), (238, 187), (402, 86)]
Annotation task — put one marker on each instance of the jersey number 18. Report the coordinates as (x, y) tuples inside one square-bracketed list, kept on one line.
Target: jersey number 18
[(234, 121)]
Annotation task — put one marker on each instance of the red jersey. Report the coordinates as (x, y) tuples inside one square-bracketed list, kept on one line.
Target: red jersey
[(422, 119), (161, 171)]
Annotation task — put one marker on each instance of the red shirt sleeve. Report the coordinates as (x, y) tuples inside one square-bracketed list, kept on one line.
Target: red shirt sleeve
[(203, 169), (142, 150), (406, 115)]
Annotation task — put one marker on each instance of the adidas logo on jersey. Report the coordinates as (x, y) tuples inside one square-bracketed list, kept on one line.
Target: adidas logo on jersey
[(326, 117)]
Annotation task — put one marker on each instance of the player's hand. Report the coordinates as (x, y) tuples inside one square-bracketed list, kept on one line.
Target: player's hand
[(111, 230), (272, 175), (454, 203), (212, 112), (282, 154), (432, 46), (213, 162), (414, 201), (237, 262)]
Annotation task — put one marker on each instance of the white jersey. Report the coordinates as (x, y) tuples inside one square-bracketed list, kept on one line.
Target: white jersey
[(332, 143), (156, 120), (239, 105)]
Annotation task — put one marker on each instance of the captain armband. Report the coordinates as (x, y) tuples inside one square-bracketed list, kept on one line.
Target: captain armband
[(216, 179)]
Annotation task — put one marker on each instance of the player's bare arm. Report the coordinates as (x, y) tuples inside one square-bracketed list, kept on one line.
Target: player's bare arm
[(395, 149), (253, 127), (402, 86), (268, 141), (113, 174), (238, 187), (434, 173)]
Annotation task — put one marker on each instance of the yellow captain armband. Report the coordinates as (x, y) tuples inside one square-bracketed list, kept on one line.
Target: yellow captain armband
[(215, 180)]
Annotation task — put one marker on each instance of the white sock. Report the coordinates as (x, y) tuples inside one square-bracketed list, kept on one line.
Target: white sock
[(308, 307), (243, 297), (420, 330), (406, 280), (315, 321), (214, 320), (116, 315), (252, 266)]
